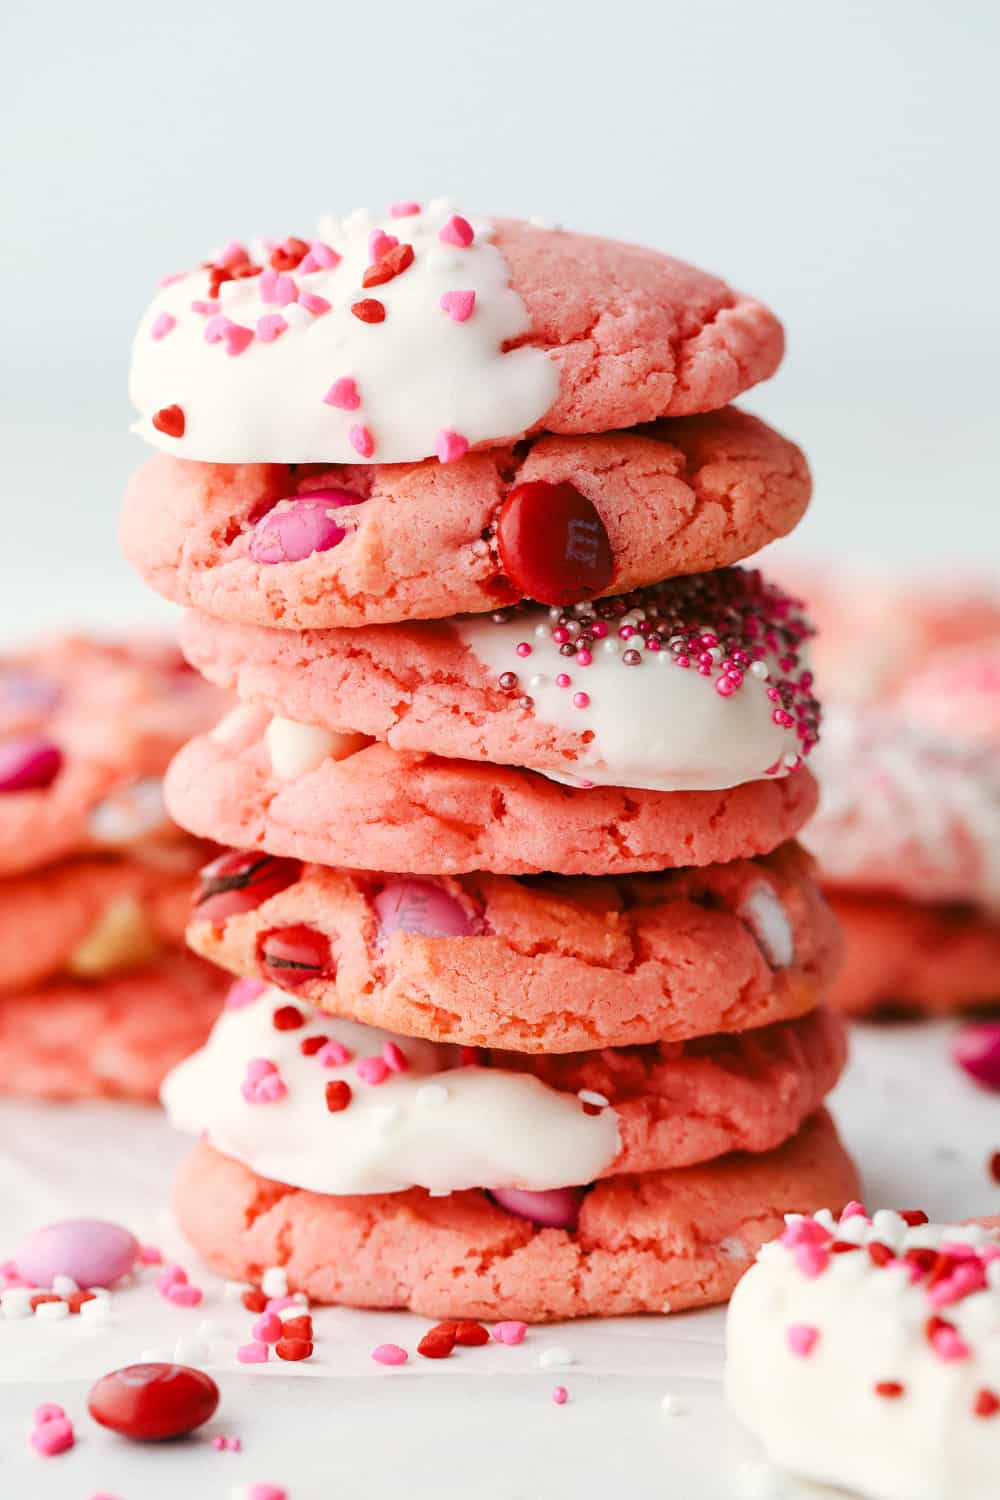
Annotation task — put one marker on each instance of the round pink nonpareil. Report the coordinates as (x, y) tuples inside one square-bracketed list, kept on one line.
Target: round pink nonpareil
[(28, 762), (94, 1252), (298, 527), (559, 1208), (421, 906)]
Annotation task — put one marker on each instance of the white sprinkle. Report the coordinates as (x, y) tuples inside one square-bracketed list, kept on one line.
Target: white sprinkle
[(554, 1356), (591, 1096), (610, 646), (432, 1095), (294, 1310), (542, 632), (15, 1302), (274, 1282), (538, 680), (671, 1407), (64, 1286), (97, 1311), (52, 1312), (555, 612), (191, 1351), (759, 669)]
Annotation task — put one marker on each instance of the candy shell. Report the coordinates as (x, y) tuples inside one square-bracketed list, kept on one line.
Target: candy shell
[(553, 545), (558, 1208), (28, 763), (153, 1401), (294, 955), (298, 527), (422, 907), (240, 881), (93, 1251)]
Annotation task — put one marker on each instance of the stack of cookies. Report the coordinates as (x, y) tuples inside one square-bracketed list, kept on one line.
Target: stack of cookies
[(98, 996), (529, 1020)]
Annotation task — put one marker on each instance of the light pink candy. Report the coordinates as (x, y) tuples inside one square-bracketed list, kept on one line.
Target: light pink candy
[(52, 1437), (949, 1345), (237, 338), (457, 231), (361, 441), (510, 1332), (181, 1294), (450, 446), (270, 327), (253, 1354), (373, 1070), (298, 527), (389, 1354), (458, 305), (404, 209), (421, 906), (163, 325), (801, 1338), (267, 1328), (313, 304), (262, 1491), (394, 1059), (343, 394), (333, 1055), (324, 255), (379, 243), (244, 992), (47, 1412), (94, 1252), (558, 1208)]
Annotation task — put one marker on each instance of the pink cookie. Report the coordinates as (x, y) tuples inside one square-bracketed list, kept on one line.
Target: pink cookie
[(907, 813), (904, 956), (90, 917), (86, 731), (583, 515), (644, 1242), (386, 810), (405, 340), (547, 965), (956, 692), (70, 1039), (698, 682)]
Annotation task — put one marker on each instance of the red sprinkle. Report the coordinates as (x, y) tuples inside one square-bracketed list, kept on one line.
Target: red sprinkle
[(293, 1349), (76, 1300), (392, 264), (288, 255), (913, 1216), (986, 1403), (438, 1342), (41, 1297), (369, 310), (890, 1389), (338, 1095), (255, 1301), (170, 421), (471, 1335), (310, 1045), (842, 1247), (880, 1254), (288, 1018), (298, 1328)]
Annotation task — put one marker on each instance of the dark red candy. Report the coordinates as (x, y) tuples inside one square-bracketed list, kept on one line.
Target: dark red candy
[(553, 545), (471, 1335), (393, 263), (298, 1328), (254, 1300), (438, 1342), (240, 881), (293, 1349), (294, 955), (155, 1401)]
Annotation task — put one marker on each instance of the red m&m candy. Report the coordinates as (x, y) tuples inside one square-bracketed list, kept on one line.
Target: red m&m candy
[(294, 955), (241, 881), (553, 545), (153, 1402)]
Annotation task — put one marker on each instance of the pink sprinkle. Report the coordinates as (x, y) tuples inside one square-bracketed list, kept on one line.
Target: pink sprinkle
[(805, 1231), (267, 1328), (52, 1437), (450, 446), (812, 1260), (278, 1304), (47, 1412), (458, 305), (333, 1055), (801, 1338), (372, 1069), (183, 1295), (243, 992), (560, 1395), (237, 338), (362, 441), (162, 325), (215, 328), (563, 680), (270, 327), (285, 291), (170, 1276), (219, 1444), (232, 255), (510, 1332), (207, 307), (967, 1278), (343, 394), (457, 231), (523, 648), (389, 1354), (313, 304), (949, 1345), (581, 700), (324, 255), (403, 210), (267, 281), (258, 1068), (395, 1060), (150, 1255), (253, 1354), (261, 1491), (379, 244), (171, 277)]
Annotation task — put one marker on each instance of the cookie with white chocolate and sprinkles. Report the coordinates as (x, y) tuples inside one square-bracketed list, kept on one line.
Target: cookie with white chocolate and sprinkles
[(424, 332), (541, 965), (641, 1242), (557, 518), (696, 683), (86, 730)]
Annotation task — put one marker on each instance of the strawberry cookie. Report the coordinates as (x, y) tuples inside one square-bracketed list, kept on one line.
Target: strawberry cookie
[(111, 1036), (422, 332), (641, 1242), (541, 965), (86, 731), (559, 519), (890, 1324), (382, 809), (697, 683)]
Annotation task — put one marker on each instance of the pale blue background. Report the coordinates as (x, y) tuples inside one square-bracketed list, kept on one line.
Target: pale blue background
[(837, 160)]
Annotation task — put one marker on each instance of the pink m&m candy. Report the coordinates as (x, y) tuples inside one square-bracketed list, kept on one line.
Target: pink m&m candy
[(154, 1401), (28, 763), (93, 1251), (421, 906), (298, 527), (559, 1208)]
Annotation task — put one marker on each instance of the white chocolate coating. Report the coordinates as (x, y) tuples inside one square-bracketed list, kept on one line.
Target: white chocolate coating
[(438, 1125), (818, 1413), (418, 373)]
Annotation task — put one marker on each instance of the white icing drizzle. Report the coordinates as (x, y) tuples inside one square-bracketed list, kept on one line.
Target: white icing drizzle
[(438, 1125), (656, 725), (891, 793), (418, 374), (818, 1414)]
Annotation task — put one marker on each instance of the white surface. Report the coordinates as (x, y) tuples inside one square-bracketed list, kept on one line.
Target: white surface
[(481, 1423)]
